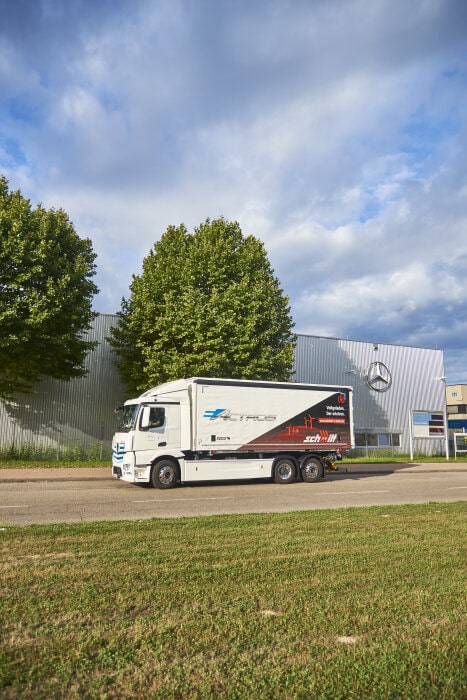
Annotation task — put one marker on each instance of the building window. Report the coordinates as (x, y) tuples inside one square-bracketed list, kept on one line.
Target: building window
[(377, 440), (460, 408)]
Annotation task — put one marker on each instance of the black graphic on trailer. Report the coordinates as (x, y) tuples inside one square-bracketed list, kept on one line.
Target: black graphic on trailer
[(325, 424)]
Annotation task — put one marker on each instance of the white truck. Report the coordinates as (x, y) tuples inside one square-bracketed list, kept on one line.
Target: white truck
[(204, 429)]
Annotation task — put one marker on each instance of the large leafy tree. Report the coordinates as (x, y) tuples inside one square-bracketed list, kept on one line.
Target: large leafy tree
[(46, 291), (206, 304)]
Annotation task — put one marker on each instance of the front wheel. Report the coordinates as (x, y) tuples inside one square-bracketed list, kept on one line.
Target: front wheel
[(165, 474), (284, 470), (312, 470)]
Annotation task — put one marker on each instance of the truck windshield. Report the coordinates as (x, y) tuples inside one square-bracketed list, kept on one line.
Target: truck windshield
[(126, 417)]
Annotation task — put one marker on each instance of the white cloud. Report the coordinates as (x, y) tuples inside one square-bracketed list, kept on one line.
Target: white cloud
[(334, 131)]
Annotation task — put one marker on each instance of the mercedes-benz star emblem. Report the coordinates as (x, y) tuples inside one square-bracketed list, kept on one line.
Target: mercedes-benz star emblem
[(378, 376)]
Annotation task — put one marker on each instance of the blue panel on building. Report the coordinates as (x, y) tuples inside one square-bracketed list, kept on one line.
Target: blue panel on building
[(457, 424)]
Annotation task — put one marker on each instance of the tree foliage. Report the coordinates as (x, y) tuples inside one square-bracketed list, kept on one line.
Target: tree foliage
[(45, 294), (206, 304)]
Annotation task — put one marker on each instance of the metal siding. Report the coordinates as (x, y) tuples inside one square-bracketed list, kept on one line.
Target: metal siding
[(77, 413), (416, 383)]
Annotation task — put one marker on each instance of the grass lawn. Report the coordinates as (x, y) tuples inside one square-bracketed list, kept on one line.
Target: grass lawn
[(350, 603)]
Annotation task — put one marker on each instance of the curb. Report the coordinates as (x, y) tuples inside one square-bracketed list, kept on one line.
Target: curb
[(52, 474), (417, 468), (31, 479), (406, 470), (55, 474)]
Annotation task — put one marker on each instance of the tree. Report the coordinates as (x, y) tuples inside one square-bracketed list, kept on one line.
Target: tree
[(206, 304), (45, 294)]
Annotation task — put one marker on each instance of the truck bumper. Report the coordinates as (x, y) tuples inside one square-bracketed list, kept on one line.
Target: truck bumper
[(132, 474)]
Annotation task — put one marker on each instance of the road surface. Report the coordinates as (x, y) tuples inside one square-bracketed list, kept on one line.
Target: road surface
[(66, 501)]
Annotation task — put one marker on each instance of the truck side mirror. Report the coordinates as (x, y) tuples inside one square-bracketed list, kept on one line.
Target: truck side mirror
[(145, 421)]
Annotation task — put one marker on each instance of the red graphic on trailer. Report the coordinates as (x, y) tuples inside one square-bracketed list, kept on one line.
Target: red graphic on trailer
[(326, 424)]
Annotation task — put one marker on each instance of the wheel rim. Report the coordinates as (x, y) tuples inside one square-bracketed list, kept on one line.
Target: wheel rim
[(166, 474), (284, 470), (311, 470)]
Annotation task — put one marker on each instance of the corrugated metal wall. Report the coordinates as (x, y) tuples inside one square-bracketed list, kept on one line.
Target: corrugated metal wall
[(416, 382), (79, 414), (62, 415)]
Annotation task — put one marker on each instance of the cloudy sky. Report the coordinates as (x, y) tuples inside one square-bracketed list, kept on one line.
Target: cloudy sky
[(333, 130)]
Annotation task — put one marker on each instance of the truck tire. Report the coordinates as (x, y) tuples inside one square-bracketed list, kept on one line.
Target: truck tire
[(284, 470), (312, 469), (165, 474)]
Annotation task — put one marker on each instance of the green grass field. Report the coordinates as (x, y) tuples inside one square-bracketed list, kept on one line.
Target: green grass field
[(350, 603)]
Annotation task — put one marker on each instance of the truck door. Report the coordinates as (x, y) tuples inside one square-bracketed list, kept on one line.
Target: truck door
[(158, 429)]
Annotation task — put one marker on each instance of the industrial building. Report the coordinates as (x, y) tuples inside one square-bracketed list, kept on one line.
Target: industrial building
[(456, 402), (456, 405), (75, 416), (390, 383)]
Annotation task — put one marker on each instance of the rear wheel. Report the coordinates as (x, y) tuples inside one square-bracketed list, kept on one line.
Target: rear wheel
[(284, 470), (312, 470), (165, 474)]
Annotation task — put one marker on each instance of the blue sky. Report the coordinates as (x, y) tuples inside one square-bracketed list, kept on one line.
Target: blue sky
[(334, 130)]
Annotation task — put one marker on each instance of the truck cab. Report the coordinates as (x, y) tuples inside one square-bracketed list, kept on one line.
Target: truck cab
[(145, 432)]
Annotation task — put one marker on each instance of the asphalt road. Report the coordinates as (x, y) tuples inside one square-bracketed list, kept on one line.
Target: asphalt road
[(66, 501)]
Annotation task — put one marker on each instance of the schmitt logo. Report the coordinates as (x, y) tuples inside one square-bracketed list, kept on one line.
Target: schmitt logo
[(213, 413)]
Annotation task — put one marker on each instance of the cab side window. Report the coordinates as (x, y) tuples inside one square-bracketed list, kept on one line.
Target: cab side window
[(156, 417)]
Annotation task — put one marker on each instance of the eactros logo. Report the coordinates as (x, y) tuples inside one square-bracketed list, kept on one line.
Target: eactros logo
[(378, 377), (214, 413), (226, 414)]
